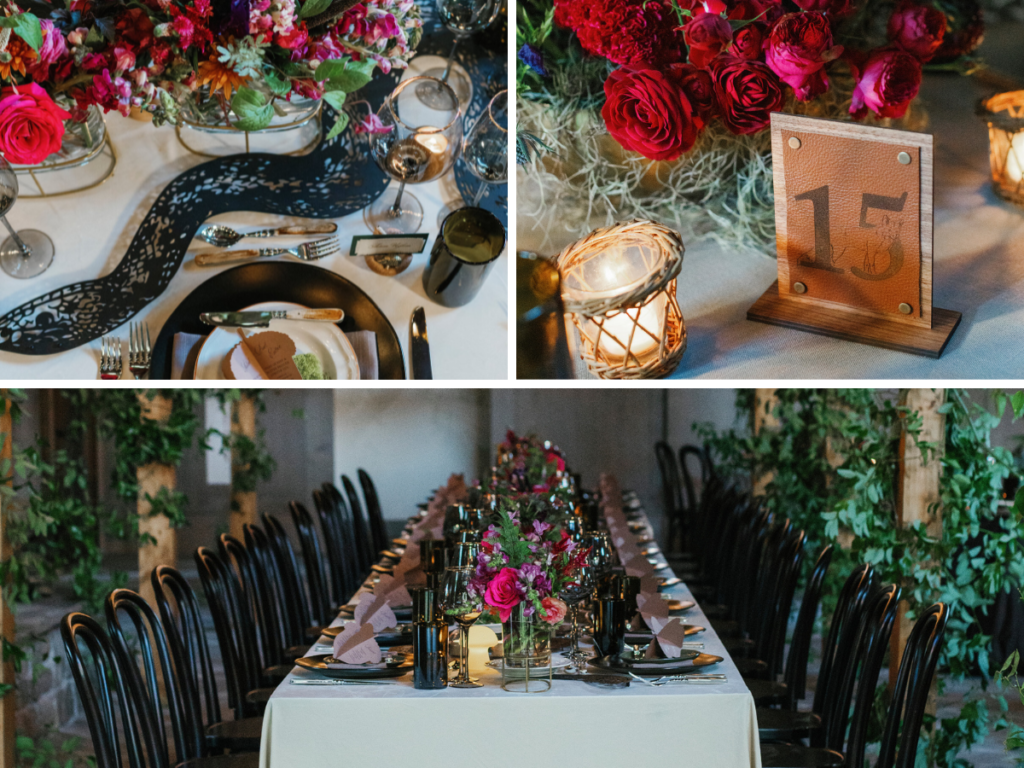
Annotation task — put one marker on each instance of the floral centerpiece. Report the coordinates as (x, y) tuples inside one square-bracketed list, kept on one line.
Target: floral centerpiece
[(240, 62), (527, 465), (659, 109)]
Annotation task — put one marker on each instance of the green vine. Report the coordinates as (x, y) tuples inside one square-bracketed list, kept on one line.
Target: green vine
[(834, 459), (251, 462)]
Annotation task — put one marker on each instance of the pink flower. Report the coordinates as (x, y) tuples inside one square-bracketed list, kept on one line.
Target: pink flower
[(77, 36), (112, 93), (124, 59), (554, 610), (31, 124), (503, 592), (917, 29), (53, 48), (799, 46), (372, 124), (886, 83)]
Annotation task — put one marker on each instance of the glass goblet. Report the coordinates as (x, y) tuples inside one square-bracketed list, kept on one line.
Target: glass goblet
[(573, 593), (602, 556), (26, 253), (485, 151), (418, 143), (463, 18), (462, 608)]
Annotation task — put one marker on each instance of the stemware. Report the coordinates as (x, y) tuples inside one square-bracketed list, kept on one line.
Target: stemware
[(26, 253), (602, 556), (463, 18), (418, 143), (485, 150), (462, 608), (573, 593)]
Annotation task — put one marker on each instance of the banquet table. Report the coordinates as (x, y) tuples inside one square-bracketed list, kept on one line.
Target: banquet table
[(91, 231), (573, 724), (978, 268)]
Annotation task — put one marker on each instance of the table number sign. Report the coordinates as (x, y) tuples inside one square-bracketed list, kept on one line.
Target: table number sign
[(853, 217)]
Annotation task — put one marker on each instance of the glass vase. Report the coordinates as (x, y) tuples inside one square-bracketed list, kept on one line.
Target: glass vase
[(85, 160), (526, 652)]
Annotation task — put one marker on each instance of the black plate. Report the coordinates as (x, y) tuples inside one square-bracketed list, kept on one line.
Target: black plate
[(317, 664), (615, 664), (304, 284), (404, 612), (647, 634), (401, 636)]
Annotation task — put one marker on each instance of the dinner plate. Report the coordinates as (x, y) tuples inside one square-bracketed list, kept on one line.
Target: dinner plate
[(401, 612), (680, 605), (325, 340), (644, 632), (396, 666), (385, 639), (656, 667)]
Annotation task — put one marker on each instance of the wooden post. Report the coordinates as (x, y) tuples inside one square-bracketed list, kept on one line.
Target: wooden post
[(152, 478), (243, 503), (7, 703), (918, 496), (764, 405)]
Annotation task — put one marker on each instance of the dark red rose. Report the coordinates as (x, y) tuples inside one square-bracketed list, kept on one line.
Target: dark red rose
[(798, 47), (887, 80), (699, 89), (838, 8), (917, 29), (646, 112), (748, 42), (747, 92), (706, 35), (627, 33)]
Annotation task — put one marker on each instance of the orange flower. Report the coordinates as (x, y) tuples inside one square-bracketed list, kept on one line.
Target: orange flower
[(20, 55), (219, 77)]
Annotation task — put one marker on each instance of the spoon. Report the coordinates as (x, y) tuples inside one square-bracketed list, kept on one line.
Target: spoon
[(224, 237)]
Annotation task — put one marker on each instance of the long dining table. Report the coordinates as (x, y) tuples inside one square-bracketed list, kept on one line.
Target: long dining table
[(572, 724)]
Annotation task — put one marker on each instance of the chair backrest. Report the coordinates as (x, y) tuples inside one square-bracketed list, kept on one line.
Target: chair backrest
[(364, 543), (257, 544), (145, 628), (377, 526), (342, 558), (795, 674), (258, 596), (910, 694), (740, 582), (108, 698), (691, 490), (671, 494), (296, 601), (236, 633), (186, 637), (788, 568), (313, 559)]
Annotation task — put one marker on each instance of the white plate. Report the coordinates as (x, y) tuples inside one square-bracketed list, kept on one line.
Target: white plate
[(325, 340)]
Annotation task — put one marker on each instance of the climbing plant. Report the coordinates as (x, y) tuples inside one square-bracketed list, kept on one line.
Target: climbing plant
[(251, 462), (833, 459)]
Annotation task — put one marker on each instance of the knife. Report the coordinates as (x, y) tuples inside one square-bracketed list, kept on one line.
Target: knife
[(419, 345), (262, 319)]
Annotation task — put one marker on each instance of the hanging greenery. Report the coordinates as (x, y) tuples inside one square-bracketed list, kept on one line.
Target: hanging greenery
[(833, 457), (251, 462)]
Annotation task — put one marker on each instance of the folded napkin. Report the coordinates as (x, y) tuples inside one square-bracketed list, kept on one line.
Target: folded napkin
[(185, 350), (373, 610), (392, 589), (355, 645)]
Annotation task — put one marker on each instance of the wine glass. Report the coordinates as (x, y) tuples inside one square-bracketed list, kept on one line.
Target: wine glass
[(463, 18), (26, 253), (462, 608), (485, 150), (420, 143), (602, 556), (573, 593)]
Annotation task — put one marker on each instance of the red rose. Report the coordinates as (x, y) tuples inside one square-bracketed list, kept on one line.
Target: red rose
[(503, 592), (886, 83), (699, 90), (748, 92), (838, 8), (917, 29), (748, 42), (31, 124), (647, 113), (554, 610), (706, 36), (799, 46), (625, 33)]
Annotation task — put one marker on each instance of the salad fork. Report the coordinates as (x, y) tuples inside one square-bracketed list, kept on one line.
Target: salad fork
[(140, 351), (309, 251), (110, 358), (225, 237)]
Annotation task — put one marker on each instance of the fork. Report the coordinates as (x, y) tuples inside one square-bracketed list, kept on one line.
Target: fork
[(225, 237), (110, 358), (310, 251), (140, 352)]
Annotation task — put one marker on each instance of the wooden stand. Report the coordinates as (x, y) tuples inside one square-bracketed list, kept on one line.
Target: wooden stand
[(151, 478), (878, 332)]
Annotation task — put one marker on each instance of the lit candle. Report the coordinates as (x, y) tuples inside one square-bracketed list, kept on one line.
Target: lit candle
[(1015, 160), (621, 325)]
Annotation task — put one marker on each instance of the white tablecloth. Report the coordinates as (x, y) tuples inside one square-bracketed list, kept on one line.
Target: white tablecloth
[(979, 270), (571, 725), (91, 231)]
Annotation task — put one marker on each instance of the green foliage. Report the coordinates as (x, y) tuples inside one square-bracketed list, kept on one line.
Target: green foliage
[(44, 752), (251, 462), (253, 110), (834, 459), (27, 27)]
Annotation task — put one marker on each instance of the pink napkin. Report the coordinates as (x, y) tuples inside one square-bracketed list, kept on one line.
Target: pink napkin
[(374, 610), (355, 645), (392, 589)]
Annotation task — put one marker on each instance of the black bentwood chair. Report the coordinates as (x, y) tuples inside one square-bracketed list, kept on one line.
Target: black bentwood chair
[(368, 555), (192, 743), (186, 638), (378, 528), (300, 614), (290, 634), (324, 609), (343, 566)]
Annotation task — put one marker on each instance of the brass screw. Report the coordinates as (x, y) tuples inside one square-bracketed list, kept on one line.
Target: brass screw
[(799, 287), (794, 142), (905, 308), (904, 158)]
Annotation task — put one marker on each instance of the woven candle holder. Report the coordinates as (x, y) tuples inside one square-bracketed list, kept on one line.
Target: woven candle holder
[(619, 286), (1004, 114)]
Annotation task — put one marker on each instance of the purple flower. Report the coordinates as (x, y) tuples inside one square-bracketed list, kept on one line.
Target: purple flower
[(528, 572), (534, 59), (541, 528)]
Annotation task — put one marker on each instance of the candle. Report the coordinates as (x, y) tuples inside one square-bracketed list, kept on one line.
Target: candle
[(1015, 160), (621, 325)]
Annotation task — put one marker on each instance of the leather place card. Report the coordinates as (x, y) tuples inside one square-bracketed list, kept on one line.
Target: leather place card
[(377, 245)]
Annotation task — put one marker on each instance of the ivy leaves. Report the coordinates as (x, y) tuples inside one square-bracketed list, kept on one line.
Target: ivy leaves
[(27, 27), (252, 108), (340, 78)]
